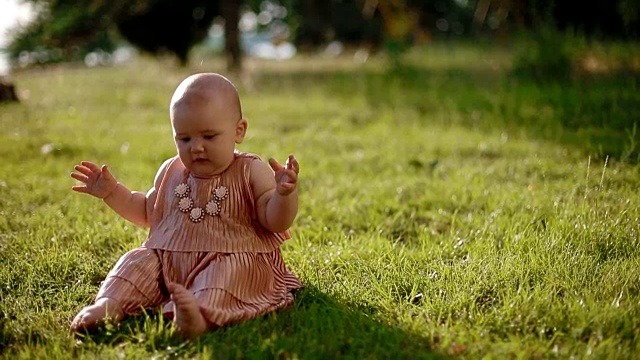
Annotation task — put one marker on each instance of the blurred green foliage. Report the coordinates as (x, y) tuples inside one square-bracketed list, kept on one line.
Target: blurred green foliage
[(64, 30), (68, 30), (546, 56)]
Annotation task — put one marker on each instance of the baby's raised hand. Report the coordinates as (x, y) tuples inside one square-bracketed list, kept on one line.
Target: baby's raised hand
[(97, 181), (286, 176)]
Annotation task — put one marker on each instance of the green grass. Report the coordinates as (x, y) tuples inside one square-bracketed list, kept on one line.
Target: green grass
[(446, 208)]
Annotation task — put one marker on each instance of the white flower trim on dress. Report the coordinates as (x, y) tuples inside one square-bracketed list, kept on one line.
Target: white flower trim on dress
[(212, 208), (182, 190), (220, 193), (196, 214), (185, 204)]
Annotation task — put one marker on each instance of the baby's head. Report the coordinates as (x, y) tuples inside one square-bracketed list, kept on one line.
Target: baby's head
[(207, 122)]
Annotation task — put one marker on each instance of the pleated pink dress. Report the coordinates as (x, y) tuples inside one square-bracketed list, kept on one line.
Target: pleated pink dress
[(205, 236)]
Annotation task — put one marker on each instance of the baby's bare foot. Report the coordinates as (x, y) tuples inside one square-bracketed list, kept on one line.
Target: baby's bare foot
[(188, 319), (90, 316)]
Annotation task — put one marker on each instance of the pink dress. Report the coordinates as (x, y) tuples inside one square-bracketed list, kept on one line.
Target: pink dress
[(231, 263)]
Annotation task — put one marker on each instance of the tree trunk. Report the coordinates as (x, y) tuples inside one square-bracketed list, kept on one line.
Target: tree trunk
[(7, 91), (233, 52)]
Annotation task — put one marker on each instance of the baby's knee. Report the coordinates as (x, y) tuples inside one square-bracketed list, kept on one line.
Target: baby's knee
[(138, 260), (111, 306)]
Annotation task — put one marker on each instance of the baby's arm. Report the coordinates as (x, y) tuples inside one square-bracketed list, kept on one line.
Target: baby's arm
[(276, 193), (131, 205)]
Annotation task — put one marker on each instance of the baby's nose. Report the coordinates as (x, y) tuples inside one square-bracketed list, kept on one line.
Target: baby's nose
[(197, 146)]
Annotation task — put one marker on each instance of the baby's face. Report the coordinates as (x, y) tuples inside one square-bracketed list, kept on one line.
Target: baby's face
[(205, 133)]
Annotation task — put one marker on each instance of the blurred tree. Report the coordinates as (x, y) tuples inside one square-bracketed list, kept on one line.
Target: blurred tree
[(63, 29), (169, 25), (397, 22), (7, 91), (73, 28), (350, 21), (68, 29), (357, 22), (630, 10), (502, 9), (595, 19), (231, 14), (314, 19)]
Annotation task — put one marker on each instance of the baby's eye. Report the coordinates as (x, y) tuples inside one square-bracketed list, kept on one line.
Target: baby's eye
[(209, 137), (185, 139)]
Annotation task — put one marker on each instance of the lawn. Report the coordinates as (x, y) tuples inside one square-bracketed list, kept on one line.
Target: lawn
[(447, 208)]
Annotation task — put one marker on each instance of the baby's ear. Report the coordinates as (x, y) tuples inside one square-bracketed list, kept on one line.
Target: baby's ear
[(241, 130)]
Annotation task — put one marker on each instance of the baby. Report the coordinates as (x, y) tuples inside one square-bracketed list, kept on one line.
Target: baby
[(217, 218)]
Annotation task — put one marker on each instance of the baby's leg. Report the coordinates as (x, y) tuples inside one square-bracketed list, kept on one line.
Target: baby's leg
[(90, 316), (187, 318), (132, 285)]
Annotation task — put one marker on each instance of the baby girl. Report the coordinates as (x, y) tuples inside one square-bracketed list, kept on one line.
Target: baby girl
[(217, 218)]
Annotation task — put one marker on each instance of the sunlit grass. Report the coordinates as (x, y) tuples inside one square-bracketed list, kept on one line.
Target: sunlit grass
[(446, 209)]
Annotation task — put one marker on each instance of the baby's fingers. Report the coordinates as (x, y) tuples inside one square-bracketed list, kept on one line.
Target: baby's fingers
[(80, 189), (291, 177), (275, 165), (292, 164), (106, 173), (90, 165), (84, 170), (287, 188), (286, 181), (80, 177)]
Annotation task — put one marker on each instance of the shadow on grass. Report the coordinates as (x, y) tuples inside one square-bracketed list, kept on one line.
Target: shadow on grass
[(317, 326), (599, 114)]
